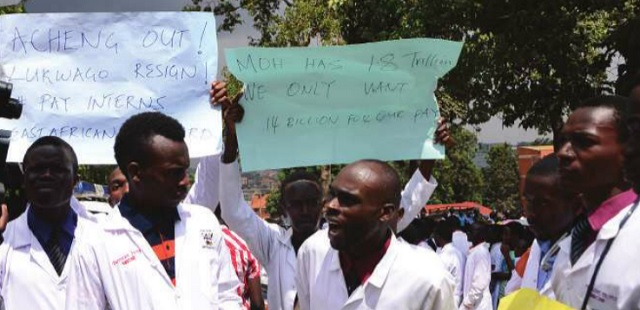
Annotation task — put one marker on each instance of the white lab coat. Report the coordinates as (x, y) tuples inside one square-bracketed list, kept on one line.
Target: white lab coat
[(271, 244), (477, 277), (618, 282), (496, 265), (406, 278), (530, 277), (415, 196), (118, 268), (461, 242), (204, 191), (454, 262), (97, 208), (28, 279)]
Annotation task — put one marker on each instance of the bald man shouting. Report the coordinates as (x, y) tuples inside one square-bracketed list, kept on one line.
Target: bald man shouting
[(358, 263)]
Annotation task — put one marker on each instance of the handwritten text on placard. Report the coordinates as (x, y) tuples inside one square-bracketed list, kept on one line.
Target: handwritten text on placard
[(80, 76), (311, 106)]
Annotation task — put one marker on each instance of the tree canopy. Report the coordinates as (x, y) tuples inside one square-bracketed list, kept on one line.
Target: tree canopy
[(528, 62), (502, 179)]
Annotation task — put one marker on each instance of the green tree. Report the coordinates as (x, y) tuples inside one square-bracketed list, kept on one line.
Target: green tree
[(537, 141), (502, 179), (273, 202), (12, 9), (526, 61), (530, 62), (458, 178), (626, 41)]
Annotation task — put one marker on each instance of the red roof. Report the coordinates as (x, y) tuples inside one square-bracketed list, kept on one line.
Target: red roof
[(259, 201), (458, 206)]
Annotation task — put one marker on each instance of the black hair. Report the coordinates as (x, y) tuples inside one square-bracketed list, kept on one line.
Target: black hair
[(494, 233), (134, 138), (632, 153), (481, 230), (516, 229), (621, 107), (298, 175), (58, 143), (427, 226), (454, 223), (444, 231), (634, 82), (547, 166), (412, 233), (521, 232)]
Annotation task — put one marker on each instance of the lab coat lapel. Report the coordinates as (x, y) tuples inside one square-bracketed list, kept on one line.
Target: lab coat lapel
[(41, 258), (336, 277), (285, 239), (181, 242), (25, 237), (117, 223)]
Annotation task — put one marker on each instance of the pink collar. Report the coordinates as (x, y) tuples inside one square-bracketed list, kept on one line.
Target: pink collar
[(610, 208)]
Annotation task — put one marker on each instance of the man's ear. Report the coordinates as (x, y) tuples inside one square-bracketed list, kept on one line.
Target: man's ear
[(387, 212), (133, 171)]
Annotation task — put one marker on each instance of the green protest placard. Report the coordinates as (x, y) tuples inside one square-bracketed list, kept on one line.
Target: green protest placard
[(338, 104)]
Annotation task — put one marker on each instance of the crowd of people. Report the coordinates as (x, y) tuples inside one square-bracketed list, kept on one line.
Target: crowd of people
[(164, 244)]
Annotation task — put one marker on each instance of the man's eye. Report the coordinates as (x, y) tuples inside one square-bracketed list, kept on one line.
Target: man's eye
[(582, 142), (347, 200)]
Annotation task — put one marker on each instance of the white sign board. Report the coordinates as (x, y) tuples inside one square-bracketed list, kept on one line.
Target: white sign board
[(80, 76)]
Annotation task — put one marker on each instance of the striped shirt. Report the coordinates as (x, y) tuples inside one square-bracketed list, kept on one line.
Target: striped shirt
[(244, 263)]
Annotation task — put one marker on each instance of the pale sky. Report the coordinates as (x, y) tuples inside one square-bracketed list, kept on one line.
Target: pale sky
[(490, 132)]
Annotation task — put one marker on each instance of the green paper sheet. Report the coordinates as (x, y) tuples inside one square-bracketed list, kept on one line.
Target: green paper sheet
[(338, 104)]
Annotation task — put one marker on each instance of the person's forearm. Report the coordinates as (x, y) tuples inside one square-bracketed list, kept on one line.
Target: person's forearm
[(426, 168), (230, 146), (255, 294)]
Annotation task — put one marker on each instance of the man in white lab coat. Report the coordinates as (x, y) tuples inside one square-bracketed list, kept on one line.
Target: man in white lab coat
[(550, 211), (154, 252), (459, 238), (204, 191), (301, 201), (453, 260), (477, 272), (591, 163), (39, 244), (358, 263)]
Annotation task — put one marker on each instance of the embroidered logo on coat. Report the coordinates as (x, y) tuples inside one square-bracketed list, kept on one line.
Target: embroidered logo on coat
[(207, 238)]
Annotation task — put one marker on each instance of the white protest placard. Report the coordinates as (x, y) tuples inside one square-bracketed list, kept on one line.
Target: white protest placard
[(81, 75)]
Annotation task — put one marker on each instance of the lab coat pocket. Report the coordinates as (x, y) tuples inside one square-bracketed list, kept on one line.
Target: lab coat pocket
[(604, 297)]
